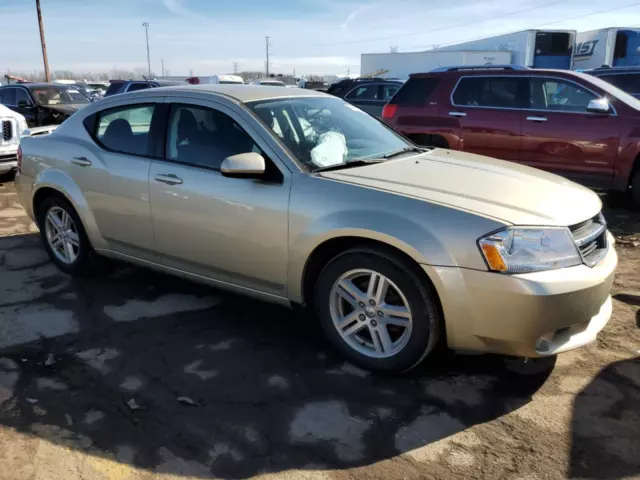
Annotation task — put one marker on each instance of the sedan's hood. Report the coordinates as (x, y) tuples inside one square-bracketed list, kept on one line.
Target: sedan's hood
[(503, 190)]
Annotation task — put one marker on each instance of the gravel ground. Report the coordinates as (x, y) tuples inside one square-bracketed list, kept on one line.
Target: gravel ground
[(136, 375)]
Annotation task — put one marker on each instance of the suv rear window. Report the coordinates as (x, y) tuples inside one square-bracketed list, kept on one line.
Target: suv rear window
[(340, 89), (415, 92), (139, 86), (114, 87), (487, 92), (629, 82)]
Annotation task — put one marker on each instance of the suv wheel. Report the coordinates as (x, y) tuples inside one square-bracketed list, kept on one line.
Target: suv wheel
[(376, 311), (64, 236)]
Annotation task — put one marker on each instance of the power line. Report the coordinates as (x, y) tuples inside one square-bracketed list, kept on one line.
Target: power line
[(536, 26), (455, 25)]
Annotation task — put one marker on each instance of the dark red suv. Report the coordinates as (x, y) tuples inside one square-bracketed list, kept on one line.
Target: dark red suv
[(565, 122)]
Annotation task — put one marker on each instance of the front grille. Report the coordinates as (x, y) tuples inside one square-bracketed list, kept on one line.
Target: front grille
[(591, 239), (7, 130), (8, 158)]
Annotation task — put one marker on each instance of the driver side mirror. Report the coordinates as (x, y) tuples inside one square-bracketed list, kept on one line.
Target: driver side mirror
[(244, 165), (24, 104), (601, 105)]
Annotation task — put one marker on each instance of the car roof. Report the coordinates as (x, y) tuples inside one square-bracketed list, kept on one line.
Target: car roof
[(613, 70), (241, 93), (496, 71), (39, 84)]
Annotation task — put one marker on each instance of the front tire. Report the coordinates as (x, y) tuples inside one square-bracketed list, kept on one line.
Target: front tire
[(377, 311), (64, 237)]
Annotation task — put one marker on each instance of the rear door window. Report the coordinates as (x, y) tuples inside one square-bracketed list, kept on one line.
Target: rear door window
[(126, 129), (9, 96), (388, 91), (499, 92), (415, 92)]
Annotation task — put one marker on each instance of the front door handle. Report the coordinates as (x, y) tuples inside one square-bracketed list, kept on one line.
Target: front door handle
[(82, 161), (457, 114), (537, 119), (168, 178)]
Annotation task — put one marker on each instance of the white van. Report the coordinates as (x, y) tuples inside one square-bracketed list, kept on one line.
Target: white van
[(226, 79)]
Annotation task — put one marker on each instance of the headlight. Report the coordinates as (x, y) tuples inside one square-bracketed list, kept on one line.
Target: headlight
[(522, 250)]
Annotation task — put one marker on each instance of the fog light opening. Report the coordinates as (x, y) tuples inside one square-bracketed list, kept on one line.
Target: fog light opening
[(544, 343)]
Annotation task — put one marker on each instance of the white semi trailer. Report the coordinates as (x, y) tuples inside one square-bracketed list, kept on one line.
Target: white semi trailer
[(401, 65), (614, 47), (529, 48)]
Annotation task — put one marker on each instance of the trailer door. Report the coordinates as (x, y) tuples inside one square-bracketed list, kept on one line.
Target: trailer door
[(553, 50), (627, 49)]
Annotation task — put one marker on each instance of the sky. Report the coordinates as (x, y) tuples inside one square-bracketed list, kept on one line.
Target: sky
[(206, 37)]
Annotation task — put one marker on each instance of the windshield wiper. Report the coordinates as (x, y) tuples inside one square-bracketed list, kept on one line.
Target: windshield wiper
[(353, 163), (401, 151)]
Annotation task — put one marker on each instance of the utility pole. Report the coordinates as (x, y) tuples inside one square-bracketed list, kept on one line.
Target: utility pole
[(47, 77), (162, 66), (267, 63), (146, 28), (235, 68)]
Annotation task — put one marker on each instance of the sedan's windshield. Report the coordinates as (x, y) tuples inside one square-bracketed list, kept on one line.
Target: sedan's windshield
[(56, 95), (325, 132)]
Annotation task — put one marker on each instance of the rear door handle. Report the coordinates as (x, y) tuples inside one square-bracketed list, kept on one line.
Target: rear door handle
[(457, 114), (537, 119), (168, 178), (82, 161)]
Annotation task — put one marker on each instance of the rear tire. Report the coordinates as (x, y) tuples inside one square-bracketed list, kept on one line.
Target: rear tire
[(64, 237), (389, 322)]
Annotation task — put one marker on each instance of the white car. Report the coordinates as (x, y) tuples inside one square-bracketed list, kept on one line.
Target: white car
[(13, 126), (269, 82)]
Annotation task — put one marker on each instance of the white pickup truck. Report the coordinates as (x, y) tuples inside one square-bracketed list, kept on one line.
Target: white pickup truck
[(13, 126)]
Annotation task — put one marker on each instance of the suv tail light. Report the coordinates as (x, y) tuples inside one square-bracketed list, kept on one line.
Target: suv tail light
[(19, 155), (389, 110)]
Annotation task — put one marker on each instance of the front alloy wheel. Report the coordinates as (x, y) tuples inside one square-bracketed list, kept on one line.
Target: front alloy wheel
[(377, 309), (370, 313)]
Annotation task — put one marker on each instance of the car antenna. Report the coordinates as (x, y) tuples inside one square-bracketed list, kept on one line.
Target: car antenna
[(146, 79)]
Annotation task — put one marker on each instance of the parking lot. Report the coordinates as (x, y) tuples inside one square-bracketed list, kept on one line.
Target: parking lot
[(136, 375)]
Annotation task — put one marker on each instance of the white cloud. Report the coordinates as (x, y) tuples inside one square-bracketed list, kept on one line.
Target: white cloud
[(176, 7), (356, 13)]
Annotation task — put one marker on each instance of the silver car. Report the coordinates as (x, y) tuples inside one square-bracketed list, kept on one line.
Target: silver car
[(296, 197)]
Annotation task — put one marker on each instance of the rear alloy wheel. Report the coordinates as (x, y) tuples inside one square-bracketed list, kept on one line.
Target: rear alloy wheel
[(376, 311), (64, 237)]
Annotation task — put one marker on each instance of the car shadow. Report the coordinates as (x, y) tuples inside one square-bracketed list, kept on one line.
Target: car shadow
[(622, 215), (605, 426), (169, 376)]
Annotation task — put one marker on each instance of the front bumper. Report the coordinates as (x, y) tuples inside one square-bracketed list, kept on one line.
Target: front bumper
[(8, 161), (531, 315)]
